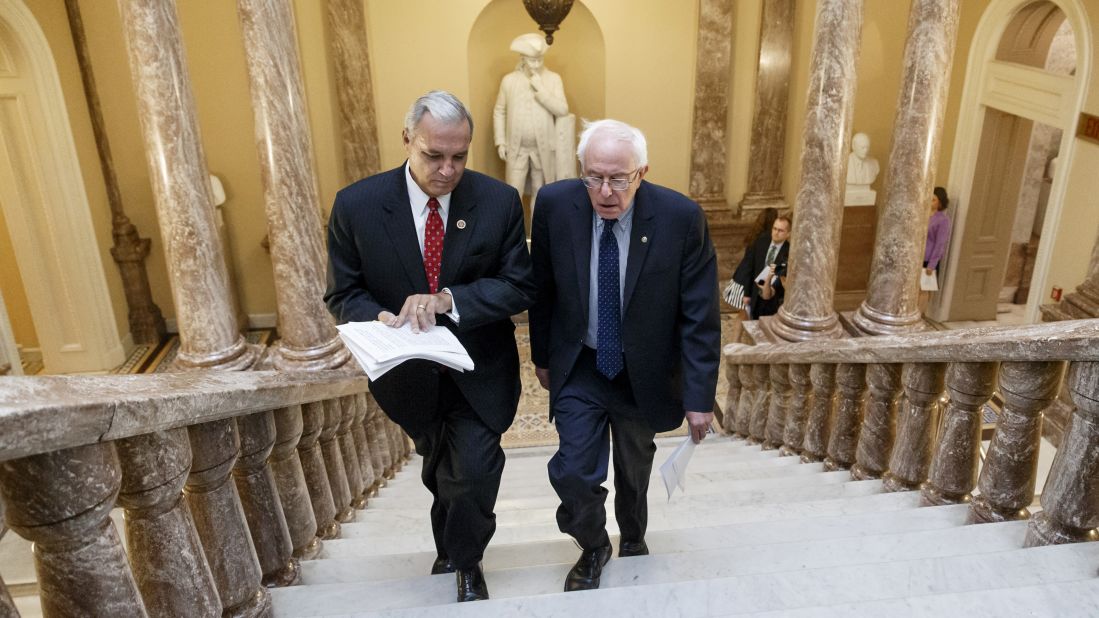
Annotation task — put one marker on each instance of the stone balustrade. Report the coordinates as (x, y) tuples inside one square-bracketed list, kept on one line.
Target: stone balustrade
[(909, 409), (220, 475)]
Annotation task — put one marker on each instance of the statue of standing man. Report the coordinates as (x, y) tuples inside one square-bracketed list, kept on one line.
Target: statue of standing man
[(531, 100)]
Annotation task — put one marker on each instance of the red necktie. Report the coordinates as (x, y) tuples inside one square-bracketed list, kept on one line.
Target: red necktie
[(433, 245)]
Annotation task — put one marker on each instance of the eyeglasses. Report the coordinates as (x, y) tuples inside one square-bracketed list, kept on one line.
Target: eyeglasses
[(616, 184)]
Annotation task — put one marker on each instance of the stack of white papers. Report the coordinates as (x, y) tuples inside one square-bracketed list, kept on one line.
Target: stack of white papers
[(674, 471), (379, 348)]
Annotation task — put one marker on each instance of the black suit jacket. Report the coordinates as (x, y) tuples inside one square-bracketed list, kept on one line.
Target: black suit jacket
[(755, 258), (375, 263), (671, 334)]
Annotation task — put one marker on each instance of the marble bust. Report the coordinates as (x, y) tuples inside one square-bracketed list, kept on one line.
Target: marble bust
[(862, 170)]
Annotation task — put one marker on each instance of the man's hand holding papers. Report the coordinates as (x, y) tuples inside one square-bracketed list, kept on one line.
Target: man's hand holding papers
[(379, 347)]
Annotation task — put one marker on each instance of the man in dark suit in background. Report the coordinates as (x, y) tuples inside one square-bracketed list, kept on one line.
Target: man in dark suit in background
[(624, 334), (430, 242), (763, 272)]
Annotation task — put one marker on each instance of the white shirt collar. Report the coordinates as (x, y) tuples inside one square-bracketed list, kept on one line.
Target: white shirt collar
[(418, 199)]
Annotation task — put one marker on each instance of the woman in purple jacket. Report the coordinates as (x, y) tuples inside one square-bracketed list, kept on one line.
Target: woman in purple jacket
[(938, 237)]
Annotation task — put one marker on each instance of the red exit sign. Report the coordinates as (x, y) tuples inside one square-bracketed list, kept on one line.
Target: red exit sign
[(1089, 127)]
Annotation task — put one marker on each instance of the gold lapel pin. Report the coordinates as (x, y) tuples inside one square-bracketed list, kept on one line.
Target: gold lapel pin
[(644, 239), (461, 224)]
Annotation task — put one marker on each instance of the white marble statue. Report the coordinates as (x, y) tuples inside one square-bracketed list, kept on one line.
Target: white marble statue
[(862, 170), (528, 109)]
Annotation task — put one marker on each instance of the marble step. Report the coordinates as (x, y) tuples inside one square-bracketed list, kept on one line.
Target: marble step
[(414, 535), (851, 564), (562, 550)]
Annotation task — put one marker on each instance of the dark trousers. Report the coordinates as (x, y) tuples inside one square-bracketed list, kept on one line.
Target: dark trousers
[(463, 463), (590, 412)]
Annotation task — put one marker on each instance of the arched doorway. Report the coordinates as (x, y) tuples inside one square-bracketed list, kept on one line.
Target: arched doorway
[(1025, 83), (46, 208)]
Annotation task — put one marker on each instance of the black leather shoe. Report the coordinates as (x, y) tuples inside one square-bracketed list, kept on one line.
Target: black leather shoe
[(632, 548), (442, 565), (585, 573), (471, 584)]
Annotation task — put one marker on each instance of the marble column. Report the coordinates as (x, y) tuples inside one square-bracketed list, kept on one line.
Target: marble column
[(957, 455), (164, 548), (818, 425), (711, 108), (891, 306), (797, 411), (354, 88), (765, 159), (808, 312), (916, 419), (208, 331), (290, 481), (62, 501), (308, 338), (844, 437), (879, 421)]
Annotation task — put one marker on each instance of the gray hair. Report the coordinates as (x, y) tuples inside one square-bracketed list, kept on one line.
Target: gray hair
[(618, 131), (442, 106)]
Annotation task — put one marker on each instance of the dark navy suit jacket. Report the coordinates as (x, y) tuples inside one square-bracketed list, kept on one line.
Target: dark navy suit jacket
[(671, 333), (375, 263)]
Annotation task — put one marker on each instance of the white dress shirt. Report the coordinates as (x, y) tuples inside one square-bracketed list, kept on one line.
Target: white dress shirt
[(418, 200)]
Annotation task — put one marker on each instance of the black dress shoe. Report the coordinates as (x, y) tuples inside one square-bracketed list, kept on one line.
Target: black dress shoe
[(632, 548), (585, 573), (471, 584), (442, 565)]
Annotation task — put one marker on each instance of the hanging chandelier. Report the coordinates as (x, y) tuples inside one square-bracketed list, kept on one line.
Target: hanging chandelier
[(548, 14)]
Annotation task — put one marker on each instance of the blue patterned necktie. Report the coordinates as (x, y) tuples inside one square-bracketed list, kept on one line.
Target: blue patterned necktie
[(608, 354)]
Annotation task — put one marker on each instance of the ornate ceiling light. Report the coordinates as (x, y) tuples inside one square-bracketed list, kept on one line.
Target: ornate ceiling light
[(548, 14)]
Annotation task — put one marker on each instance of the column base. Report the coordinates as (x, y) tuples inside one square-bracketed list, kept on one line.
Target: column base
[(981, 511), (807, 457), (329, 531), (893, 483), (346, 516), (257, 606), (1044, 531), (787, 327), (329, 355), (786, 451), (832, 465), (870, 321), (240, 356), (310, 550), (861, 473), (930, 496), (288, 575), (763, 199)]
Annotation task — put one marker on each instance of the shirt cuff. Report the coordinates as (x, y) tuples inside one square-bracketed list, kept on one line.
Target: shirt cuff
[(453, 313)]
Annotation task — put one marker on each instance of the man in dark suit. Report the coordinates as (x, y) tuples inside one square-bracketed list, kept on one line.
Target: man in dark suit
[(430, 242), (763, 271), (624, 334)]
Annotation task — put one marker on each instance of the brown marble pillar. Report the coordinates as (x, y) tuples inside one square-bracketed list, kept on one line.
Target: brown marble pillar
[(62, 501), (819, 422), (957, 455), (797, 410), (807, 312), (916, 421), (780, 400), (879, 421), (362, 447), (1011, 465), (844, 437), (891, 306), (308, 338), (761, 405), (732, 398), (165, 552), (1070, 498), (748, 392), (354, 88), (316, 474), (260, 499), (208, 331), (333, 461), (349, 451), (1084, 302), (765, 159), (711, 108), (220, 520), (290, 482)]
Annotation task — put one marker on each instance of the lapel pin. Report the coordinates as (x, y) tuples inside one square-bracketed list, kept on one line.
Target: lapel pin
[(461, 225), (644, 239)]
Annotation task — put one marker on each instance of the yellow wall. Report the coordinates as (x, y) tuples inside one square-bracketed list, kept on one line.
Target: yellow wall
[(11, 286)]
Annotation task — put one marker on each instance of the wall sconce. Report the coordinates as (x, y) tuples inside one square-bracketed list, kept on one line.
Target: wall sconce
[(548, 14)]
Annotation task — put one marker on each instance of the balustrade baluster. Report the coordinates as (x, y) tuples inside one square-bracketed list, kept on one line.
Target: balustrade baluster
[(797, 410), (260, 499), (761, 405), (316, 474), (395, 450), (878, 421), (62, 502), (7, 606), (844, 438), (290, 481), (1070, 498), (362, 448), (333, 461), (957, 453), (164, 548), (379, 450), (911, 457), (819, 424), (346, 405), (780, 400), (220, 520), (1011, 465), (742, 421), (732, 399)]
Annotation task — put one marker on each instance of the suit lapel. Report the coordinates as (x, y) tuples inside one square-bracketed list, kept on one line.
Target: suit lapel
[(640, 238), (460, 224), (581, 223), (401, 229)]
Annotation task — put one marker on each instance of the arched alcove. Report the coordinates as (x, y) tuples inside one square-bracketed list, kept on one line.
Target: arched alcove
[(46, 208)]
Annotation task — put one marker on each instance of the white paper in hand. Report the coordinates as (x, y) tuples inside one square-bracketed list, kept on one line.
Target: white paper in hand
[(674, 471), (379, 348)]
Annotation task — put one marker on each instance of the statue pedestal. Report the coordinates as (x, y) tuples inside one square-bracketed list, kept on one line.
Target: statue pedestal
[(859, 195)]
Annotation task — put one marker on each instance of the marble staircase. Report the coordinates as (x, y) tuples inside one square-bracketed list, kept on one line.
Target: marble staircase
[(754, 533)]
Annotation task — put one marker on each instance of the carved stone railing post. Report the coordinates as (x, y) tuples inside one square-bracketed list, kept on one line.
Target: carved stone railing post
[(1011, 465), (316, 474), (957, 454), (346, 405), (819, 423), (732, 398), (362, 447), (260, 499), (916, 422), (165, 552), (797, 411), (379, 448), (844, 437), (394, 464), (742, 421), (62, 502), (7, 606), (333, 461), (879, 421), (1071, 496), (286, 467), (761, 375), (780, 400)]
